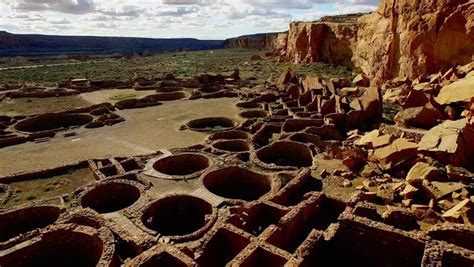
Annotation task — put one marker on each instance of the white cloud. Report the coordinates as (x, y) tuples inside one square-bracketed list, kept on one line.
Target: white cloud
[(64, 6), (207, 19)]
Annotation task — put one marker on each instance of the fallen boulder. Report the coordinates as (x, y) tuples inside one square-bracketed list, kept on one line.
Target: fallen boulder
[(460, 91), (422, 171), (397, 153), (422, 117), (361, 80), (451, 142), (438, 190)]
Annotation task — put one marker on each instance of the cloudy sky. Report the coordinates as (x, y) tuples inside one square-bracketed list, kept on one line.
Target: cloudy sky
[(204, 19)]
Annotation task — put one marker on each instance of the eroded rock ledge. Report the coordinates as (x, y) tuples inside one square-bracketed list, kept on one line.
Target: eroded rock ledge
[(400, 39)]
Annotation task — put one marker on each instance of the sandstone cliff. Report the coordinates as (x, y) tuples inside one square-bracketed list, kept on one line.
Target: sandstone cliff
[(406, 38), (272, 41), (403, 38), (329, 41)]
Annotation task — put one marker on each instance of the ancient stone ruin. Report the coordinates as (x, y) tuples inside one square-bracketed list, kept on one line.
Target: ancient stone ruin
[(375, 171), (312, 176)]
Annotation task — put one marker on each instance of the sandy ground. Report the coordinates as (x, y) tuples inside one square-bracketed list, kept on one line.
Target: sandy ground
[(35, 106), (145, 131), (98, 97)]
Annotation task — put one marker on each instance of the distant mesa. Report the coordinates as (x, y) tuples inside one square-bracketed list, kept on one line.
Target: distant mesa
[(36, 45)]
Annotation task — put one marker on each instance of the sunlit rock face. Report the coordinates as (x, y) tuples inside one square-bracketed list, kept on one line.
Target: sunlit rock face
[(414, 38)]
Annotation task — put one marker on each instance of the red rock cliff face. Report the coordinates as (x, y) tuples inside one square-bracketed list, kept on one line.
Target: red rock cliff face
[(321, 41), (273, 41), (406, 38), (403, 38)]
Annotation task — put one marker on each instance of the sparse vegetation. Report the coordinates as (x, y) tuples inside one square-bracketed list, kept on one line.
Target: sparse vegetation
[(47, 191), (49, 188), (215, 129), (184, 64), (390, 111), (30, 196), (15, 61), (68, 198)]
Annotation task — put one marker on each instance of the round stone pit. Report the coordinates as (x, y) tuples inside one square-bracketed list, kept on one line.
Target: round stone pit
[(169, 89), (229, 135), (52, 121), (168, 96), (66, 245), (179, 166), (249, 105), (283, 155), (179, 217), (252, 114), (233, 146), (237, 183), (211, 124), (20, 221), (111, 196)]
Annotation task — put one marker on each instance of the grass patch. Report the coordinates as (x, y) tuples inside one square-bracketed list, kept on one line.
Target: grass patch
[(390, 111), (123, 97), (30, 196), (285, 179), (68, 199), (49, 188)]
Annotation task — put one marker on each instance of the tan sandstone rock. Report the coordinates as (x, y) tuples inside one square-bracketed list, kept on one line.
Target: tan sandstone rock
[(451, 142), (422, 117), (460, 91), (362, 80), (405, 38), (310, 83), (456, 213), (415, 99), (325, 40), (438, 190), (422, 171), (273, 41), (400, 151), (368, 138)]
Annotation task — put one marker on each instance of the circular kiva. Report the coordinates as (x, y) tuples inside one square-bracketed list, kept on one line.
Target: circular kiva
[(283, 155), (168, 96), (182, 217), (66, 245), (181, 166), (229, 135), (111, 196), (14, 223), (211, 124), (52, 121), (169, 89), (251, 114), (308, 139), (235, 146), (237, 183), (208, 88), (249, 105)]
